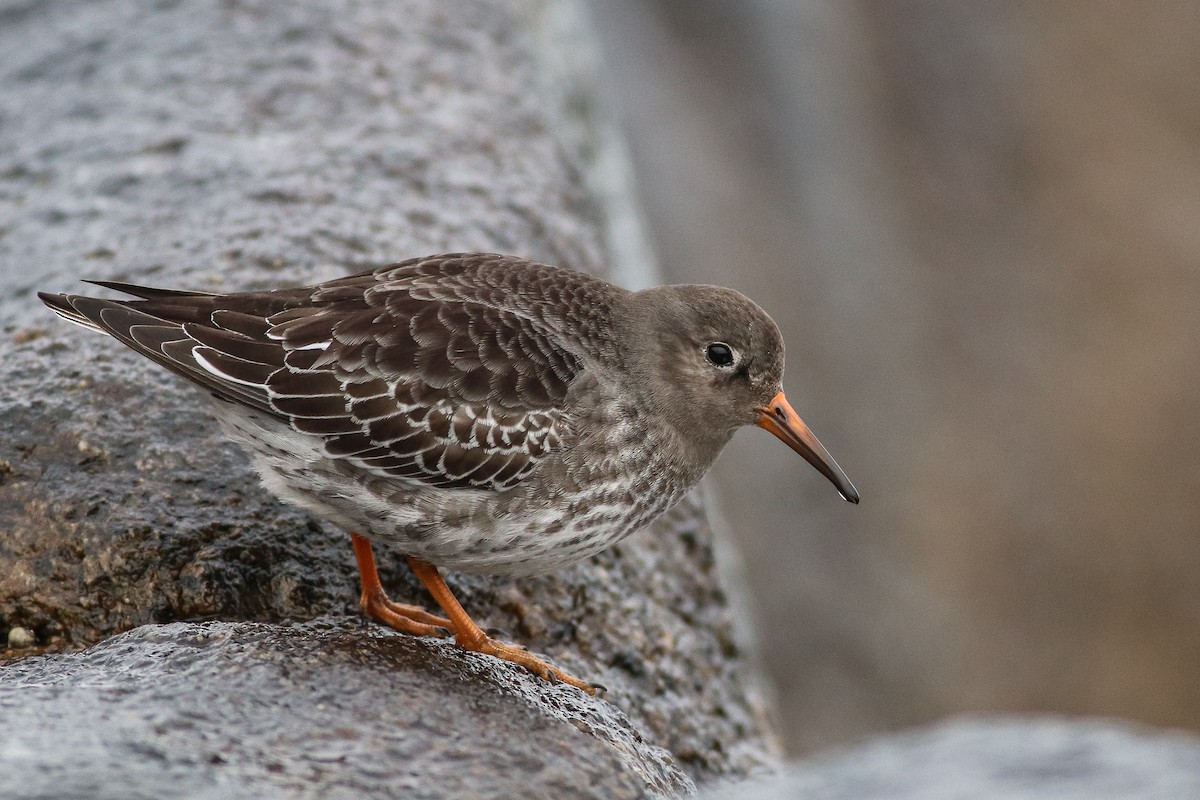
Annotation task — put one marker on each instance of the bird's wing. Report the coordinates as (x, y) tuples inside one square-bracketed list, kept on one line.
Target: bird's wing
[(438, 389)]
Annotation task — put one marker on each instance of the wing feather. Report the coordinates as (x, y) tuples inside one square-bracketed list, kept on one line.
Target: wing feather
[(412, 371)]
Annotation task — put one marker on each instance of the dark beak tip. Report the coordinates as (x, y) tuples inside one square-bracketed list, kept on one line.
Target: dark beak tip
[(844, 487), (780, 420)]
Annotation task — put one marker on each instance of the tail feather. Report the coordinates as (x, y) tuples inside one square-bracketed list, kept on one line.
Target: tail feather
[(146, 292), (164, 341), (61, 304)]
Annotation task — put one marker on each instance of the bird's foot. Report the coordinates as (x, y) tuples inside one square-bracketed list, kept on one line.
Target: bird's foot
[(374, 602), (470, 636), (522, 657), (412, 620)]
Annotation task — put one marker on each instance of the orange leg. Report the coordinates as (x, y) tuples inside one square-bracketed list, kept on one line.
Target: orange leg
[(470, 636), (374, 602)]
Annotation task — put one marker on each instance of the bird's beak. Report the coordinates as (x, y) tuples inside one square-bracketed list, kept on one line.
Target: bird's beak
[(779, 418)]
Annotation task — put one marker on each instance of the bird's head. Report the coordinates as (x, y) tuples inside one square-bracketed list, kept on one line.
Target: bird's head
[(710, 361)]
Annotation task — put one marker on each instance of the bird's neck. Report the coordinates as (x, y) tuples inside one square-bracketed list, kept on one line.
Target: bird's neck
[(684, 444)]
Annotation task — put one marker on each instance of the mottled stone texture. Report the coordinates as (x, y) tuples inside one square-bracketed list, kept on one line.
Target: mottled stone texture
[(341, 709), (237, 145)]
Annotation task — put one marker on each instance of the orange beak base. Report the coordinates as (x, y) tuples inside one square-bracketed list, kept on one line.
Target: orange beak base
[(779, 418)]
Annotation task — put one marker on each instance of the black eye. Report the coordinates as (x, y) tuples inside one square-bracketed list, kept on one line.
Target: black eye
[(720, 354)]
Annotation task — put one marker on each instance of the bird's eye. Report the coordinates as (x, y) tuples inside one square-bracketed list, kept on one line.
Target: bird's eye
[(719, 354)]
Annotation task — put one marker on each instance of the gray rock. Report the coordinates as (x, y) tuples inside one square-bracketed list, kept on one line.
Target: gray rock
[(245, 144), (325, 709), (999, 758)]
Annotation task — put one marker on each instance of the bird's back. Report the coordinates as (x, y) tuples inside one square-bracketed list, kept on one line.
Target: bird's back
[(451, 370)]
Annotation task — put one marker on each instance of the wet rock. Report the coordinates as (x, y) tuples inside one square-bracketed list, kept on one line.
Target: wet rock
[(327, 708), (250, 144), (998, 758)]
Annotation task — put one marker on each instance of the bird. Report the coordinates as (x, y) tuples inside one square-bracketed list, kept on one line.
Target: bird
[(471, 411)]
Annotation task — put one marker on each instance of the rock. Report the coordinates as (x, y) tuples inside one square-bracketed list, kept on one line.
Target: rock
[(1000, 758), (249, 144), (327, 708), (20, 638)]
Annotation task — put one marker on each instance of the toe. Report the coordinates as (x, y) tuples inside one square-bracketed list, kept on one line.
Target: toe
[(522, 657)]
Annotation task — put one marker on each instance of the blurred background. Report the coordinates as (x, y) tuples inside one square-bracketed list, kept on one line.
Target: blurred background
[(978, 226)]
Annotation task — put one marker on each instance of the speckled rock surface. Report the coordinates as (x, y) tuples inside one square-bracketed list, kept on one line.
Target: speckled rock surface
[(235, 145), (998, 758), (316, 710)]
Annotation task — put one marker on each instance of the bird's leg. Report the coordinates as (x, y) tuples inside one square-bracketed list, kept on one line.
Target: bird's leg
[(374, 602), (470, 636)]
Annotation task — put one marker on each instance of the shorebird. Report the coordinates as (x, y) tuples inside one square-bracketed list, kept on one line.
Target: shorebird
[(471, 411)]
